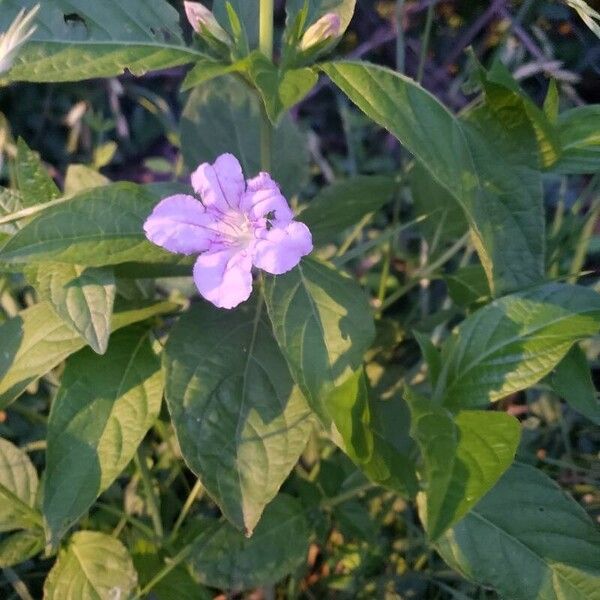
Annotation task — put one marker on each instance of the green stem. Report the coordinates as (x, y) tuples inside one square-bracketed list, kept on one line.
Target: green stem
[(137, 524), (266, 47), (425, 42), (142, 467), (18, 585), (329, 503), (196, 491)]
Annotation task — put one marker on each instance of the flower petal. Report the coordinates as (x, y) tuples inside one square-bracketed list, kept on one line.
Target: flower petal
[(220, 185), (224, 277), (180, 224), (280, 249), (263, 197)]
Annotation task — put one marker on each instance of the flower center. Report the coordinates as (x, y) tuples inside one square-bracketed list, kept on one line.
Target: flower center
[(237, 228)]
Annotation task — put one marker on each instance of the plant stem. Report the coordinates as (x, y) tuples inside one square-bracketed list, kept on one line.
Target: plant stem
[(425, 42), (329, 503), (32, 210), (196, 491), (19, 587), (140, 461), (266, 47)]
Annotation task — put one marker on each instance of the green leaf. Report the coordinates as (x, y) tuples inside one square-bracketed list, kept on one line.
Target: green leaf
[(20, 546), (580, 141), (323, 324), (225, 116), (445, 220), (82, 296), (372, 434), (99, 227), (37, 340), (241, 421), (93, 566), (344, 204), (85, 40), (468, 285), (80, 178), (18, 488), (514, 342), (431, 356), (103, 409), (248, 14), (572, 380), (279, 90), (35, 185), (528, 540), (10, 201), (206, 69), (226, 559), (501, 199), (464, 457)]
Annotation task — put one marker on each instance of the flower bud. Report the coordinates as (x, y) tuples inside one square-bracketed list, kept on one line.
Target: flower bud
[(12, 40), (200, 17), (326, 28)]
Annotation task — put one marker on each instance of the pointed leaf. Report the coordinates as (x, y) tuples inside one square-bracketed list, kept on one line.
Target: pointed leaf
[(241, 421), (514, 342), (501, 198), (82, 296), (20, 546), (528, 540), (323, 324), (464, 457), (80, 178), (93, 566), (103, 409)]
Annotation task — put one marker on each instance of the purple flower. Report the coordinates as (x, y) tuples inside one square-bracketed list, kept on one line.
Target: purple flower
[(235, 225)]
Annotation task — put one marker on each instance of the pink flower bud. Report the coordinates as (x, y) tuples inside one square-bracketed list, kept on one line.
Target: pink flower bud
[(200, 17), (326, 28)]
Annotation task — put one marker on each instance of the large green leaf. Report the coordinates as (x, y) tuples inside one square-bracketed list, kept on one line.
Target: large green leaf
[(514, 342), (18, 488), (37, 340), (374, 434), (224, 115), (226, 559), (345, 203), (102, 411), (241, 421), (528, 540), (323, 324), (464, 457), (82, 296), (81, 39), (572, 380), (35, 185), (93, 566), (501, 198), (99, 227)]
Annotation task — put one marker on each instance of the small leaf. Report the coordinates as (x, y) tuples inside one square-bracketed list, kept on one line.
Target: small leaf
[(514, 342), (37, 340), (20, 546), (580, 141), (374, 434), (80, 178), (464, 457), (93, 566), (468, 285), (528, 540), (224, 115), (344, 204), (572, 380), (247, 13), (241, 421), (225, 559), (82, 296), (102, 411), (323, 324), (35, 185), (18, 488)]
